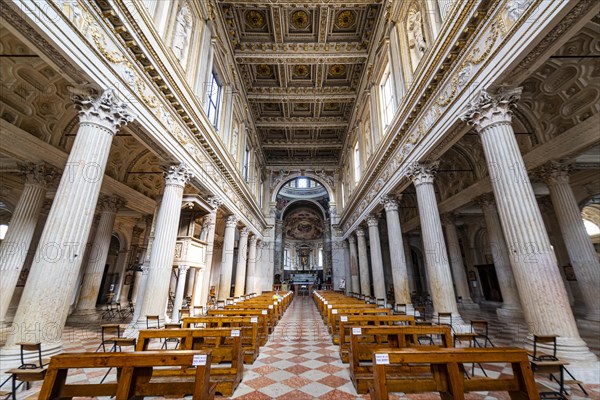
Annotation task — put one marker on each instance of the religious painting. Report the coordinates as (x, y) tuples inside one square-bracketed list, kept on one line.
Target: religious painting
[(303, 224)]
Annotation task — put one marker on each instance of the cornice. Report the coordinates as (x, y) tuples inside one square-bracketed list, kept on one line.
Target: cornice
[(190, 112)]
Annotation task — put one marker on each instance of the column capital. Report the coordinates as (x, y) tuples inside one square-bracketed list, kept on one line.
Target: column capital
[(104, 109), (183, 268), (178, 175), (390, 203), (373, 220), (360, 232), (351, 239), (214, 201), (556, 172), (252, 240), (486, 200), (487, 109), (421, 173), (38, 174), (111, 203), (231, 221), (448, 219), (244, 231)]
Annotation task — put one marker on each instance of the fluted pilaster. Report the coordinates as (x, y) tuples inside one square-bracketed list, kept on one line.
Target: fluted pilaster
[(227, 258), (542, 291), (208, 235), (62, 244), (363, 263), (16, 243), (376, 257), (156, 291), (240, 273), (251, 271), (436, 255), (397, 256), (577, 241), (354, 279)]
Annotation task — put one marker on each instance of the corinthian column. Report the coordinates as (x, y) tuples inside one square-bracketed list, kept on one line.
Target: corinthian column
[(363, 263), (251, 271), (14, 247), (156, 291), (86, 307), (240, 272), (511, 303), (227, 258), (436, 255), (542, 291), (376, 257), (355, 282), (577, 241), (208, 235), (397, 257), (456, 262), (65, 234)]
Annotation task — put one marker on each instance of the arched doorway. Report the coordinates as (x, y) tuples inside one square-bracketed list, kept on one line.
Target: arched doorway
[(303, 234)]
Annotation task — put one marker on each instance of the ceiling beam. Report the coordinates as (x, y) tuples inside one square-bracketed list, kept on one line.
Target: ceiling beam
[(295, 144), (312, 95), (299, 122), (298, 2)]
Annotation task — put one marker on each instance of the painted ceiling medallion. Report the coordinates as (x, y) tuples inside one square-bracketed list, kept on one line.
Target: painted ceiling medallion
[(300, 19), (337, 70), (301, 71), (255, 19), (263, 71), (346, 19)]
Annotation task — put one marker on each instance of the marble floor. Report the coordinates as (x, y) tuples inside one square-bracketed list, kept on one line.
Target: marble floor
[(300, 362)]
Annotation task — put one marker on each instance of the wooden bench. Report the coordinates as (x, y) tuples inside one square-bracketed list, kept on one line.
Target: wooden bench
[(446, 373), (329, 313), (366, 320), (136, 375), (248, 326), (262, 315), (225, 344), (337, 314), (364, 340)]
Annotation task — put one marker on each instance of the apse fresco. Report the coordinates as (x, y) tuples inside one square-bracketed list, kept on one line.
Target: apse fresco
[(303, 224)]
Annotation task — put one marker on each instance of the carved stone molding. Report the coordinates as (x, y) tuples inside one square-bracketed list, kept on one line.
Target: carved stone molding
[(360, 232), (373, 220), (390, 203), (421, 173), (111, 203), (231, 221), (178, 175), (214, 201)]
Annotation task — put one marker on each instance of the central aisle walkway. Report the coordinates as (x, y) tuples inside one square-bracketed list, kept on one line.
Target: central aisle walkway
[(299, 362)]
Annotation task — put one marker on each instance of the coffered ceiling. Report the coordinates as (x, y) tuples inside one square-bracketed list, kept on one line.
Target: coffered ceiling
[(301, 63)]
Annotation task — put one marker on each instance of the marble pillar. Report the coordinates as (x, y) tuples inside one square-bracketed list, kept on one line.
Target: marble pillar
[(397, 256), (363, 263), (376, 257), (278, 262), (179, 291), (354, 280), (327, 251), (347, 273), (208, 235), (541, 289), (224, 288), (141, 276), (436, 255), (156, 291), (133, 258), (16, 243), (240, 272), (42, 313), (92, 279), (511, 303), (251, 270), (577, 241), (461, 284)]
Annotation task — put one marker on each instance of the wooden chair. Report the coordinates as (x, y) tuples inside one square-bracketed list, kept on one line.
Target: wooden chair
[(152, 322), (27, 372), (111, 334)]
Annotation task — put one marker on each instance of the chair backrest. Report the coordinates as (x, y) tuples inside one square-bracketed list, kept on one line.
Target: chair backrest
[(479, 326), (150, 319), (173, 326), (113, 330), (445, 315), (544, 339), (30, 347)]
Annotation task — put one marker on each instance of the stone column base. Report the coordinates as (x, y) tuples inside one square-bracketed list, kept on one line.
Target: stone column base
[(594, 326), (458, 325), (10, 357), (468, 305), (508, 315), (89, 315)]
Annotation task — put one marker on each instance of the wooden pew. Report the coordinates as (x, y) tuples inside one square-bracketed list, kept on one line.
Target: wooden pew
[(348, 321), (262, 315), (446, 373), (225, 344), (338, 313), (364, 340), (329, 313), (247, 325), (136, 375), (269, 313)]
